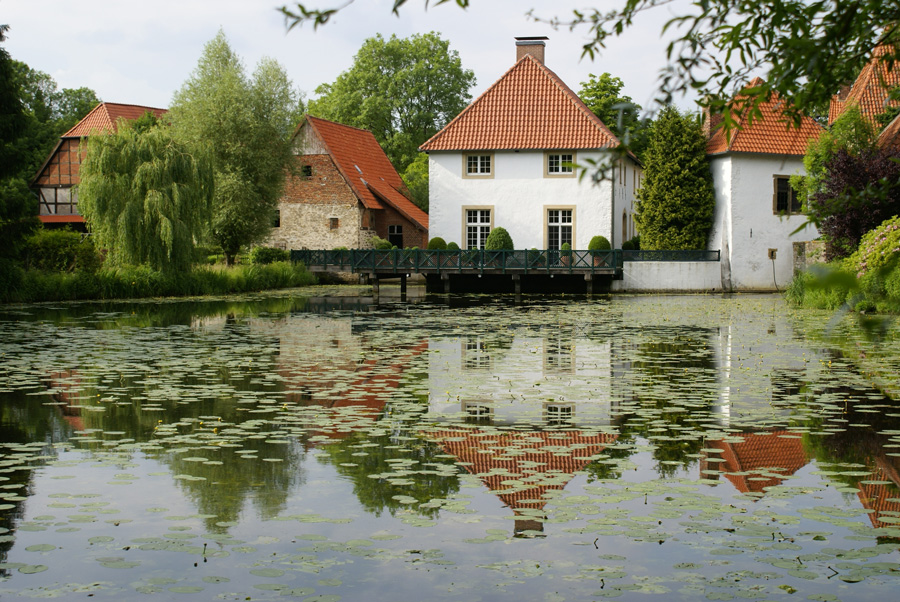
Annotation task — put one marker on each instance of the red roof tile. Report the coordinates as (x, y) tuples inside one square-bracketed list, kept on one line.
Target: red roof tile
[(365, 167), (536, 461), (773, 133), (528, 108), (890, 136), (104, 116), (870, 90), (777, 454)]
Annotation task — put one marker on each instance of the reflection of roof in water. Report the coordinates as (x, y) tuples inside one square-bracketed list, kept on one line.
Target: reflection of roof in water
[(881, 497), (538, 460), (763, 455), (369, 390)]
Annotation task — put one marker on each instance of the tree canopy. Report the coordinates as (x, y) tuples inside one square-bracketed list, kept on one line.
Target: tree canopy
[(246, 125), (676, 201), (803, 50), (404, 90), (145, 196), (603, 96)]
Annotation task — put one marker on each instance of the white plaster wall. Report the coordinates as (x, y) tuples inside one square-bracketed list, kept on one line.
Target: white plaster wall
[(720, 234), (670, 276), (754, 228), (517, 382), (519, 193)]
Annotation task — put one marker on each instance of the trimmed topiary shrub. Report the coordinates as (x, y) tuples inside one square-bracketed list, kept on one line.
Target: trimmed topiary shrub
[(499, 240), (267, 255), (381, 244), (636, 241), (599, 243), (437, 244), (452, 246), (628, 246)]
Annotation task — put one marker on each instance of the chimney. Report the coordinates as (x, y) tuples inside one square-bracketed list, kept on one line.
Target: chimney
[(533, 46)]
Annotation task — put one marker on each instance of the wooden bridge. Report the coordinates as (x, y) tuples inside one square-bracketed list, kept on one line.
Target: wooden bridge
[(439, 266)]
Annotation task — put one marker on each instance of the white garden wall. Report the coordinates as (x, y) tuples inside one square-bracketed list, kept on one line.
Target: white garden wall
[(669, 276)]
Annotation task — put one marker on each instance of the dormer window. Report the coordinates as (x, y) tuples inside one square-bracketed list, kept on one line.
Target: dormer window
[(478, 165)]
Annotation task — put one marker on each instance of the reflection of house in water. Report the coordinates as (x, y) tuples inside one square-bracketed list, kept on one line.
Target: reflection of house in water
[(64, 388), (759, 461), (542, 377), (522, 467), (879, 492)]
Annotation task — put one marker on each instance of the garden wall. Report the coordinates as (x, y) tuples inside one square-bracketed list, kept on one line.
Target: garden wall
[(670, 276)]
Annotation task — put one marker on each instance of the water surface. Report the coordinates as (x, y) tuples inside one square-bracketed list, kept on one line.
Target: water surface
[(330, 448)]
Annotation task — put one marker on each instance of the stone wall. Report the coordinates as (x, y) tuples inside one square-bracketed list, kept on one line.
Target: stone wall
[(808, 253)]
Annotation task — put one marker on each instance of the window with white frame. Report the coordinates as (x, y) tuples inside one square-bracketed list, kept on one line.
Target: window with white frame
[(478, 226), (478, 165), (560, 164), (395, 235), (559, 228)]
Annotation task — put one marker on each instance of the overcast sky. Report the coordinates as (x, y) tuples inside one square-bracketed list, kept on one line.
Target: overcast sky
[(141, 53)]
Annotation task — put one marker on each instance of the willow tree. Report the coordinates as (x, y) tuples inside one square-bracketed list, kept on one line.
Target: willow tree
[(245, 123), (145, 197)]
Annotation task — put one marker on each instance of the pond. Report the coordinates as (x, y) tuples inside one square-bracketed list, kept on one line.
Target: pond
[(473, 448)]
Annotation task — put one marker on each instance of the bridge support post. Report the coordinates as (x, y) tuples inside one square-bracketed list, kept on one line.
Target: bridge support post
[(589, 284), (403, 287), (517, 282), (376, 285), (445, 279)]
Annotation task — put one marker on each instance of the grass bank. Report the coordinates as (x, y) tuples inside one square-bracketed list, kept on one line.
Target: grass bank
[(140, 281)]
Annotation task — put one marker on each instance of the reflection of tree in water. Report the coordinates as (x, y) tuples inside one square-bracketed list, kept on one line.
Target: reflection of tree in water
[(425, 482), (27, 429), (197, 387), (672, 376)]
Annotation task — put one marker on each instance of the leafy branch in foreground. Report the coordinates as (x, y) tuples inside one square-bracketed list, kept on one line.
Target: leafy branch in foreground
[(804, 50)]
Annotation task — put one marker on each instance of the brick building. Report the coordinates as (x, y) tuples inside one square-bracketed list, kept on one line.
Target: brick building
[(342, 191), (57, 177)]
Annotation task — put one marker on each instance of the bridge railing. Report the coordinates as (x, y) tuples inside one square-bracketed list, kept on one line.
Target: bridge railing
[(462, 260), (425, 260)]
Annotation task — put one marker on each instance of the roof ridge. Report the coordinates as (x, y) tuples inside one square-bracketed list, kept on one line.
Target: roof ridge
[(343, 125), (576, 100), (441, 132)]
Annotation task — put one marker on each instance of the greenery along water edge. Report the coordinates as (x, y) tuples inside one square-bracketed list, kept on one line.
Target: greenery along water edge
[(126, 282)]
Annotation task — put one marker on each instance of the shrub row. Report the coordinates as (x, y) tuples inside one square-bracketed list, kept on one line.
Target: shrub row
[(141, 281)]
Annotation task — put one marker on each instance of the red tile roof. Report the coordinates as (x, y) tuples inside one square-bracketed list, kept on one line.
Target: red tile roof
[(870, 90), (528, 108), (365, 167), (773, 133), (890, 136), (104, 116), (761, 460), (533, 459)]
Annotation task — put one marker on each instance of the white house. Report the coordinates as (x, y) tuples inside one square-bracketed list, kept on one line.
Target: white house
[(757, 212), (510, 159)]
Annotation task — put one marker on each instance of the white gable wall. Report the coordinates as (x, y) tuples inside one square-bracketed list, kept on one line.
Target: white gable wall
[(519, 194), (746, 226)]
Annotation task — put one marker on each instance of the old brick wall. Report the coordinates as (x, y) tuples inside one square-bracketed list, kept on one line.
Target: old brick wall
[(412, 237)]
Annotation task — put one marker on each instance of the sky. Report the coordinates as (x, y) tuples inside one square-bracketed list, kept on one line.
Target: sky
[(141, 53)]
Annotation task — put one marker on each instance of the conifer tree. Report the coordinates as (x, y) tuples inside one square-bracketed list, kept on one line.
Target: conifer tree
[(675, 202)]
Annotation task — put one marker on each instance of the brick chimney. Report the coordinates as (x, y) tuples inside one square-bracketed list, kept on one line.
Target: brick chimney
[(533, 46)]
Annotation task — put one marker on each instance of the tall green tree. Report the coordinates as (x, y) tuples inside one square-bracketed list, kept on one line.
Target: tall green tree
[(402, 90), (50, 112), (603, 96), (145, 196), (18, 207), (245, 123), (675, 202)]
